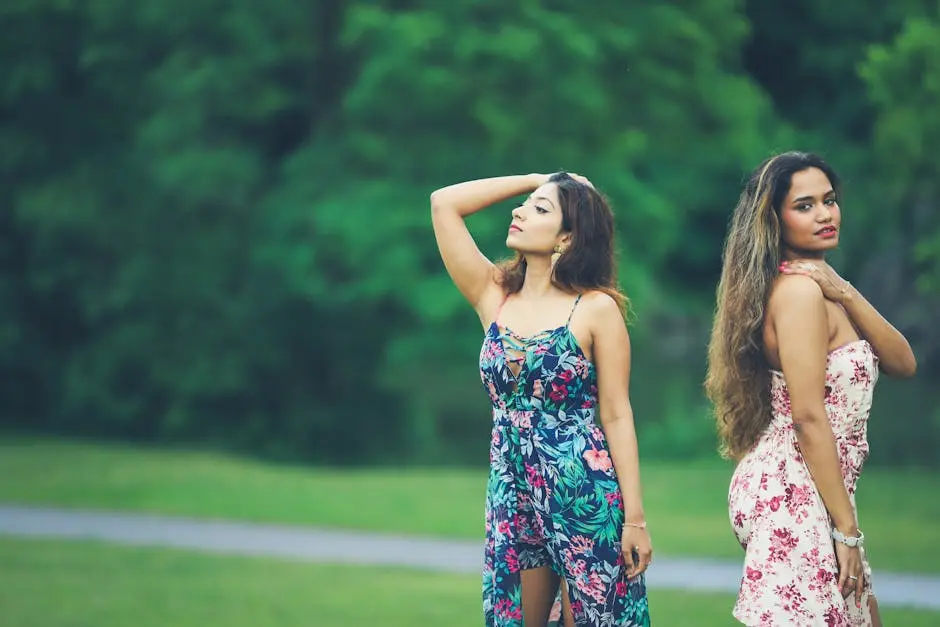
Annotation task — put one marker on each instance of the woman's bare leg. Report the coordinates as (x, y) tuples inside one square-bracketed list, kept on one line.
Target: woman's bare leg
[(875, 615), (539, 587)]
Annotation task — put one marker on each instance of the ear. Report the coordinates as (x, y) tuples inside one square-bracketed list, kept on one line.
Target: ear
[(564, 240)]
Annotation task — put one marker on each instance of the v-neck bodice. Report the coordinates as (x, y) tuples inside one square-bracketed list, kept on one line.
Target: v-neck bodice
[(554, 374)]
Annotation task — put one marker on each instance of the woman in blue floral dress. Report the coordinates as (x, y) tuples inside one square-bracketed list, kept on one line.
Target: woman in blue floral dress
[(563, 501)]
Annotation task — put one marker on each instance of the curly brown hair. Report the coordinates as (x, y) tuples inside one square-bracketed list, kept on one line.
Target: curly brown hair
[(589, 263), (738, 379)]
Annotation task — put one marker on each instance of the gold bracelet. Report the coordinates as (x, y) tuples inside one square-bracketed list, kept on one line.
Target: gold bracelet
[(639, 525)]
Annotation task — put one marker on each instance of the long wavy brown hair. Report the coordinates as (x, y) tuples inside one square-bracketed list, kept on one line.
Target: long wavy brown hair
[(589, 263), (738, 379)]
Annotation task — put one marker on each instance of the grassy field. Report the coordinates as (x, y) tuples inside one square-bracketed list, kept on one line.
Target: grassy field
[(64, 584), (685, 502)]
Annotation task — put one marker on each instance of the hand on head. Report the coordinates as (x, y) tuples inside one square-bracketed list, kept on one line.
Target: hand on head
[(581, 179)]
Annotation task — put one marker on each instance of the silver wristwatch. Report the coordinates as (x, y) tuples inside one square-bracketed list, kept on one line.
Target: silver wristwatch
[(849, 541)]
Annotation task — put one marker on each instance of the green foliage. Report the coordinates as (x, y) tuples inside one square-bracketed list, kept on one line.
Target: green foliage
[(805, 54), (903, 79), (214, 215)]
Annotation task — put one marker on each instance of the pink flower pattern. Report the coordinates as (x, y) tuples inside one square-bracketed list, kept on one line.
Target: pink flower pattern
[(598, 459), (790, 569)]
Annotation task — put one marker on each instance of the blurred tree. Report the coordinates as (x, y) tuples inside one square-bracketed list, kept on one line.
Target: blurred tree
[(139, 147), (805, 54), (903, 79), (646, 99), (215, 224)]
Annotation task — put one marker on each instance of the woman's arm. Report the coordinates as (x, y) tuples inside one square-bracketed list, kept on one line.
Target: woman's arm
[(894, 352), (798, 314), (470, 270), (612, 360)]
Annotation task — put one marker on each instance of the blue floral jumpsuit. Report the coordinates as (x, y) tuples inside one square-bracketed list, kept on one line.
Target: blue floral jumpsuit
[(552, 496)]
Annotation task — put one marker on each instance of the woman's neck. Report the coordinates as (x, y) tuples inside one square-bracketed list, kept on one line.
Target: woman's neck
[(538, 279), (790, 254)]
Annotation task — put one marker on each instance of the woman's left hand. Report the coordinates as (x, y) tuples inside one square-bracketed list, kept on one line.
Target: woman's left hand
[(637, 550), (834, 287), (581, 179)]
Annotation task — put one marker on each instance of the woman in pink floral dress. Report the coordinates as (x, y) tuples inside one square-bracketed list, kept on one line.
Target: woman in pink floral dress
[(794, 356)]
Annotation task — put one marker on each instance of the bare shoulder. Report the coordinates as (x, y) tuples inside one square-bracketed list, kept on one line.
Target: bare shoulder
[(794, 292), (610, 341), (602, 309)]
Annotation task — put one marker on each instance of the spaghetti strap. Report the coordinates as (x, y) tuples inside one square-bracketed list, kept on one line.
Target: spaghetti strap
[(576, 301)]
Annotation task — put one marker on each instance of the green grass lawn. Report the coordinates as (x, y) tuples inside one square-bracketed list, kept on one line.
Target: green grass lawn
[(76, 584), (685, 503)]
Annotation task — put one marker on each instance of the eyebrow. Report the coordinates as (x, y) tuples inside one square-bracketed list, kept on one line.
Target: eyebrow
[(805, 198), (548, 200)]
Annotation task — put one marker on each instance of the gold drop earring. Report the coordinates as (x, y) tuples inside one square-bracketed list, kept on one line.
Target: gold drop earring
[(559, 251)]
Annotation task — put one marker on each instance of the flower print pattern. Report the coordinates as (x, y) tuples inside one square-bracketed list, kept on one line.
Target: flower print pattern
[(790, 574), (598, 460), (552, 496)]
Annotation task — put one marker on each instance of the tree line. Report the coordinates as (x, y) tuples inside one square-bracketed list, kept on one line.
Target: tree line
[(215, 222)]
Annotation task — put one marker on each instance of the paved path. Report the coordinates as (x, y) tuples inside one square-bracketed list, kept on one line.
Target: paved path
[(347, 547)]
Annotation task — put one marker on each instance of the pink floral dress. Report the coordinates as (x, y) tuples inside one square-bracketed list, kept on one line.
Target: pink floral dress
[(790, 571)]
